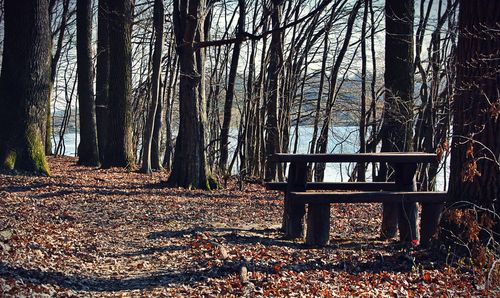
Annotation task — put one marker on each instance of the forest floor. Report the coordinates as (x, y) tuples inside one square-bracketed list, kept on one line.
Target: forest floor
[(90, 232)]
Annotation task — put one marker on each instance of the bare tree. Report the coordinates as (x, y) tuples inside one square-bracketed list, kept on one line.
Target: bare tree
[(87, 149), (155, 86)]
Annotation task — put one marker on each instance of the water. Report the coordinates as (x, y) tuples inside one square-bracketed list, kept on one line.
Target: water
[(342, 139)]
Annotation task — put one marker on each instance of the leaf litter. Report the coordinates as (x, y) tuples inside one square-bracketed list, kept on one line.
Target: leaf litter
[(107, 233)]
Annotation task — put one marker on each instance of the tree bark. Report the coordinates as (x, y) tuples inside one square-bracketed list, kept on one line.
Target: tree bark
[(24, 86), (53, 72), (190, 167), (397, 126), (475, 152), (274, 71), (228, 105), (361, 167), (158, 16), (88, 153), (119, 148), (102, 77)]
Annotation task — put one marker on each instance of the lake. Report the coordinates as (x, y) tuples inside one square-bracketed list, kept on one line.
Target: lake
[(342, 139)]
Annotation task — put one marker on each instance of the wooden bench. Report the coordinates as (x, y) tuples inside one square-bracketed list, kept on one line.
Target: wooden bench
[(299, 193)]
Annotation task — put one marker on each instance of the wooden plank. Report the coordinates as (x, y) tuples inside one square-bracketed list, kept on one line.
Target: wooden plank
[(392, 157), (293, 214), (367, 197), (367, 186), (405, 178)]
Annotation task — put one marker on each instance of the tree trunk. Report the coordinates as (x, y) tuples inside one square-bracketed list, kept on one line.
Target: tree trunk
[(322, 142), (155, 86), (475, 152), (119, 148), (24, 86), (397, 126), (228, 105), (169, 103), (361, 167), (272, 95), (190, 168), (53, 72), (88, 153), (102, 77)]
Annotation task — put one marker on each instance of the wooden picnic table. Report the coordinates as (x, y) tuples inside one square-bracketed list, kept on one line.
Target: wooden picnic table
[(402, 191)]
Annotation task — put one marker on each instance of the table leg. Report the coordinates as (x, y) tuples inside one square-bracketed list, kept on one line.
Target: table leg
[(408, 212), (293, 214), (318, 224), (431, 214)]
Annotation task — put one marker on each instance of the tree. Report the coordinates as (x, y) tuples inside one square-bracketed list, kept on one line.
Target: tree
[(24, 85), (475, 151), (119, 147), (189, 167), (228, 105), (102, 77), (397, 126), (273, 71), (53, 65), (155, 86), (87, 149)]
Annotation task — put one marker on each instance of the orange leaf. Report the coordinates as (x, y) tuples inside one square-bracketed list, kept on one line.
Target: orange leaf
[(426, 277)]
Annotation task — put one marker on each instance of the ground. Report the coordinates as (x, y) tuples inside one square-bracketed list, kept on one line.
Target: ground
[(89, 232)]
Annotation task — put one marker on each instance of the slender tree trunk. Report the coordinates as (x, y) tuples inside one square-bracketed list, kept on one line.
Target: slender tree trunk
[(155, 86), (24, 86), (53, 72), (362, 119), (397, 127), (272, 93), (169, 98), (228, 105), (102, 77), (373, 105), (322, 143), (119, 148), (87, 149)]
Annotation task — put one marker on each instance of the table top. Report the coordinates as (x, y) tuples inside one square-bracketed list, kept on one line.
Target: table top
[(392, 157)]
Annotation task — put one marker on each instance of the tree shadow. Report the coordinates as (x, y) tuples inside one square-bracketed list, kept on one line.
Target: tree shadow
[(191, 276), (103, 284)]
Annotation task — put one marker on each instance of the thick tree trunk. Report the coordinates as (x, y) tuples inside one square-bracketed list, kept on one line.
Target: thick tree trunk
[(102, 77), (24, 85), (119, 148), (155, 86), (475, 152), (190, 168), (397, 127), (88, 153)]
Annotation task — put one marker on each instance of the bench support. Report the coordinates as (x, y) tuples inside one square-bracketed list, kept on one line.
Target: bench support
[(407, 212), (318, 224), (431, 214), (293, 214)]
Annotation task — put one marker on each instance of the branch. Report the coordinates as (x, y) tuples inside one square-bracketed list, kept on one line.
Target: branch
[(244, 36)]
